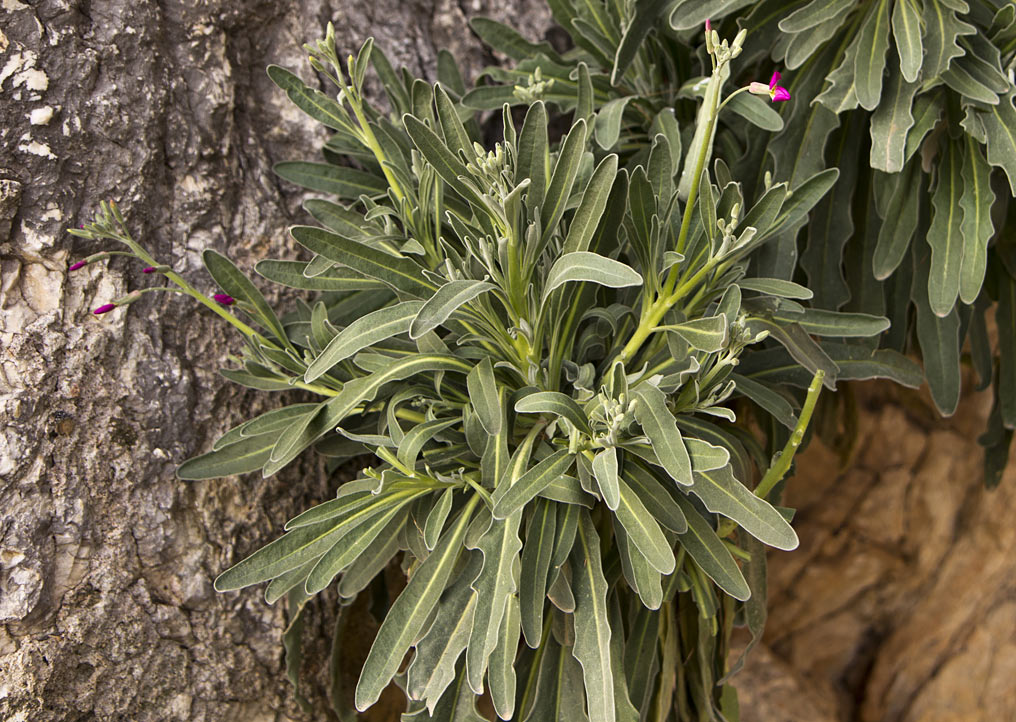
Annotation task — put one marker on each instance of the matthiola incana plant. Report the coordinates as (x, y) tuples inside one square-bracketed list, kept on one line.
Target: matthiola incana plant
[(577, 398)]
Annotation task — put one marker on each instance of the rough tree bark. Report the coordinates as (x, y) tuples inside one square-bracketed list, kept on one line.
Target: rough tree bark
[(106, 559)]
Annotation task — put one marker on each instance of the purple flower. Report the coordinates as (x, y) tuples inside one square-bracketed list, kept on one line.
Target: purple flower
[(79, 264), (150, 269), (775, 92), (224, 299), (104, 309)]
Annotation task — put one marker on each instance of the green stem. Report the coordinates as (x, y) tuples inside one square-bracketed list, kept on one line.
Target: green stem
[(780, 467)]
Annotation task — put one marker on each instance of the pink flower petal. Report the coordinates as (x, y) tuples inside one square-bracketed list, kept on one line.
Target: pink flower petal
[(781, 94), (775, 79)]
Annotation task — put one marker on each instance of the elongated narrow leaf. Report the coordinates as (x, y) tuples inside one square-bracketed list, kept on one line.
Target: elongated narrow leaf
[(444, 303), (657, 499), (446, 163), (409, 612), (484, 395), (870, 63), (594, 201), (568, 490), (437, 517), (508, 499), (401, 274), (976, 227), (313, 102), (708, 551), (502, 662), (607, 127), (659, 425), (344, 221), (689, 14), (706, 456), (940, 341), (536, 557), (723, 494), (497, 581), (561, 182), (907, 33), (605, 473), (643, 530), (836, 323), (646, 581), (776, 287), (363, 332), (239, 458), (592, 267), (327, 178), (291, 274), (891, 122), (553, 402), (944, 235), (532, 154), (900, 223), (592, 624)]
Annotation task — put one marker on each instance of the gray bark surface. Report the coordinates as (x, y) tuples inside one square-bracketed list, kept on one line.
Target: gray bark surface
[(106, 559)]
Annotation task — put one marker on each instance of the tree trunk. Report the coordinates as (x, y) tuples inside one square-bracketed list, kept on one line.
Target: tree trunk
[(107, 559)]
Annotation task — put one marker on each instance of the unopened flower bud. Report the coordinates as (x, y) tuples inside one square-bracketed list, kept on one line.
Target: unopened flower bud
[(224, 298), (105, 308)]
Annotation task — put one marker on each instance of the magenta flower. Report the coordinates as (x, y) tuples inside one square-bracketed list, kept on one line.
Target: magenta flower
[(224, 299), (104, 309), (776, 93), (77, 265), (150, 269)]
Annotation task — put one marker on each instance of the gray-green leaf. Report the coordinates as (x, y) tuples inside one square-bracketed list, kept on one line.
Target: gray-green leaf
[(363, 332), (660, 426)]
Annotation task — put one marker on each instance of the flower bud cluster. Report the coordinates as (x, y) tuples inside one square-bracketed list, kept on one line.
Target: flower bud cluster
[(721, 50), (535, 88)]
